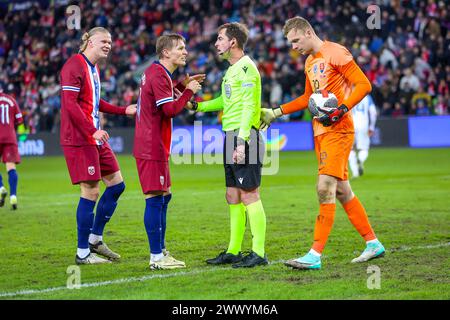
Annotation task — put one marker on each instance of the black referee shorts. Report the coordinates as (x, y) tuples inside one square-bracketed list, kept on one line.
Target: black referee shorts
[(246, 175)]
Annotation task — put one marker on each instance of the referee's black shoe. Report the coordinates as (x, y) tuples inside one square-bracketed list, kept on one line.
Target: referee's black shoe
[(225, 258), (251, 260)]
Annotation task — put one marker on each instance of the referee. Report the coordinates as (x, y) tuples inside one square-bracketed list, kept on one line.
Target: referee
[(243, 146)]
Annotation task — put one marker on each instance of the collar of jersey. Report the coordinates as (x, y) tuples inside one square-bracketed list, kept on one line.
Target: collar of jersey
[(168, 72), (87, 60)]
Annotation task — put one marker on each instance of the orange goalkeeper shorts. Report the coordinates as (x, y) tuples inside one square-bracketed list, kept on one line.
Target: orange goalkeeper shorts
[(332, 151)]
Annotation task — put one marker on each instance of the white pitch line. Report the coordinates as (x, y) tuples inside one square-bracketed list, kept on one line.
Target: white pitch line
[(179, 274), (110, 282)]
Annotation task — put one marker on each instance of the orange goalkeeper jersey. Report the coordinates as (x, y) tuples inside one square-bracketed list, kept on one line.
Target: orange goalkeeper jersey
[(334, 70)]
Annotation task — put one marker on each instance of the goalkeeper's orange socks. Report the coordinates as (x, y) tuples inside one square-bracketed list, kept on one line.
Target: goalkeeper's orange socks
[(257, 219), (324, 223), (358, 217), (237, 227)]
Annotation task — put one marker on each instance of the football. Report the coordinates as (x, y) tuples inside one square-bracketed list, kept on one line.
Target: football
[(323, 99)]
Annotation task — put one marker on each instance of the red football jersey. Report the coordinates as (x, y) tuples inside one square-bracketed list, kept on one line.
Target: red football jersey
[(155, 109), (81, 102), (10, 118)]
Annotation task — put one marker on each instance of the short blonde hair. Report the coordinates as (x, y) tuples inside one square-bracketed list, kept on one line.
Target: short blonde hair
[(87, 35), (298, 23)]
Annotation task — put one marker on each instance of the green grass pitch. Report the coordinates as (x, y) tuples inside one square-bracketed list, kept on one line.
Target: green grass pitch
[(405, 192)]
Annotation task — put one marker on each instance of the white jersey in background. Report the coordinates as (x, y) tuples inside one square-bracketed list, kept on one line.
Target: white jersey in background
[(364, 119)]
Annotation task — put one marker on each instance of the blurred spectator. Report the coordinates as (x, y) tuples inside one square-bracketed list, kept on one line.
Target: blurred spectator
[(441, 107), (398, 110), (409, 81), (422, 108)]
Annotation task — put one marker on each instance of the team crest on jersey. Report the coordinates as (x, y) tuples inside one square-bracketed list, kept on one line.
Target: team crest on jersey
[(322, 67), (228, 90), (161, 180), (91, 170)]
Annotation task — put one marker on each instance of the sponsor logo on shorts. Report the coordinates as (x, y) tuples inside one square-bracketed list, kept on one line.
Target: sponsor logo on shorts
[(91, 170), (240, 180), (161, 179)]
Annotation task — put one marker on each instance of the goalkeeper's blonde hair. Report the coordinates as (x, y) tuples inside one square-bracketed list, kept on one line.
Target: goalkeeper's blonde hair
[(87, 35), (298, 23)]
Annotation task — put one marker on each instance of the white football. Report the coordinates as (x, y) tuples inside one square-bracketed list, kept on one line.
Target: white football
[(323, 99)]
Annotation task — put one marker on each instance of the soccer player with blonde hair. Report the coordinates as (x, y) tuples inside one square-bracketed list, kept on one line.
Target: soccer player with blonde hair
[(330, 67), (85, 145)]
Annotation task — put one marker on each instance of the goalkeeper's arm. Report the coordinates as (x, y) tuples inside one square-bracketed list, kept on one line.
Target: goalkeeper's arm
[(268, 115)]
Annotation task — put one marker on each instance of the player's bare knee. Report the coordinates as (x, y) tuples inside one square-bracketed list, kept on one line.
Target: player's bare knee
[(344, 192), (325, 195), (90, 192), (249, 197), (232, 197), (10, 166), (326, 192), (340, 194), (345, 197)]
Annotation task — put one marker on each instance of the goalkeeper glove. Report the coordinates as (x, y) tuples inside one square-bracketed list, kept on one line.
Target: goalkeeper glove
[(332, 116), (268, 115)]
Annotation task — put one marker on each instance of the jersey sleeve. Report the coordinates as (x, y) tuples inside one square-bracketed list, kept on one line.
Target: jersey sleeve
[(110, 108), (361, 85), (211, 105), (249, 86), (301, 102), (18, 119), (342, 60), (162, 89)]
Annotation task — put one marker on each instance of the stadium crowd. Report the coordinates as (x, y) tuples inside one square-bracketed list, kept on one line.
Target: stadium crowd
[(406, 59)]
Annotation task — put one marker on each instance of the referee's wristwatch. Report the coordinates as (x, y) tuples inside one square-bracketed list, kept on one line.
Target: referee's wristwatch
[(194, 105)]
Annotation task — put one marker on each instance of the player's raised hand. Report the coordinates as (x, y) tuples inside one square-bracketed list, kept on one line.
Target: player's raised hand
[(197, 77), (101, 135), (131, 110), (194, 86)]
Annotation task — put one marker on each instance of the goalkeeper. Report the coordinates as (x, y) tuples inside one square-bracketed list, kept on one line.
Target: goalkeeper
[(243, 146), (330, 67)]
